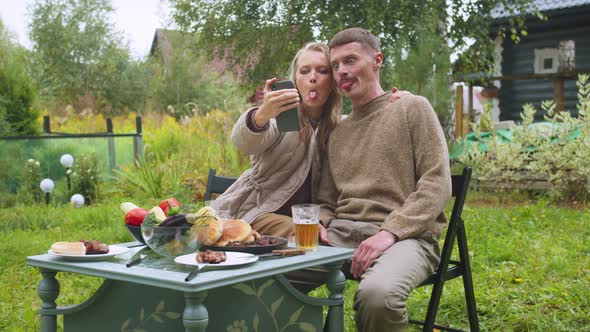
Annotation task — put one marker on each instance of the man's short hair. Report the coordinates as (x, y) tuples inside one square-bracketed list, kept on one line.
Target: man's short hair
[(359, 35)]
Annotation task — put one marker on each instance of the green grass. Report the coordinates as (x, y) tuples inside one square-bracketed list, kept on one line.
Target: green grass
[(531, 266)]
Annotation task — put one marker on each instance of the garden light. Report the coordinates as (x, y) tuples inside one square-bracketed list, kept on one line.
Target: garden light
[(77, 200), (47, 186), (67, 161)]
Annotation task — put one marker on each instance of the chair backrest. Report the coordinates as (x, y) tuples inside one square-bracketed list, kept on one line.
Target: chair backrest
[(217, 184), (460, 188)]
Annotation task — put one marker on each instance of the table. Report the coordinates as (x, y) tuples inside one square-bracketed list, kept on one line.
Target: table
[(153, 295)]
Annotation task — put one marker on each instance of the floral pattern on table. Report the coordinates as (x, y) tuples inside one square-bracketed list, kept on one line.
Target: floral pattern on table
[(269, 312), (159, 315)]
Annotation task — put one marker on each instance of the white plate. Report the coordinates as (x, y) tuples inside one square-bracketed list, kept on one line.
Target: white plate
[(232, 259), (113, 250)]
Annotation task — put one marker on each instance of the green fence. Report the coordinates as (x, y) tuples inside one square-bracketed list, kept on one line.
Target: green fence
[(110, 150)]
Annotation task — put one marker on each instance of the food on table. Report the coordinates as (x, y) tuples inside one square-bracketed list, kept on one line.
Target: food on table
[(128, 206), (260, 242), (82, 247), (136, 216), (95, 247), (234, 230), (214, 232), (69, 248), (170, 206), (212, 257), (204, 216), (175, 221), (155, 217)]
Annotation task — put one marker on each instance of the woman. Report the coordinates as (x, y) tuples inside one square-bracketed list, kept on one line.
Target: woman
[(284, 165)]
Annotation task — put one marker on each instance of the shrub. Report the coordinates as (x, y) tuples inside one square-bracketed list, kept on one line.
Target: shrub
[(29, 192), (85, 178), (558, 152)]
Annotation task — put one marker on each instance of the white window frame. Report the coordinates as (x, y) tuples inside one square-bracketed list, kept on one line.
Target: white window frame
[(541, 54)]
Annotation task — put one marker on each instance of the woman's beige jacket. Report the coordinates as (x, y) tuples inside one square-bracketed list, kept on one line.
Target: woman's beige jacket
[(280, 163)]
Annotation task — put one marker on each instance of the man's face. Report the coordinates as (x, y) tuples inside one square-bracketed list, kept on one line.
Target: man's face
[(356, 71)]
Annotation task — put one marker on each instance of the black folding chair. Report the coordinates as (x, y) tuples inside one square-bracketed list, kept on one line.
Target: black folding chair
[(452, 269), (217, 184)]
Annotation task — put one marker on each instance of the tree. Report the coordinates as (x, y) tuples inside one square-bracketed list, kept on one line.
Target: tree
[(182, 81), (269, 32), (425, 70), (79, 56), (17, 95)]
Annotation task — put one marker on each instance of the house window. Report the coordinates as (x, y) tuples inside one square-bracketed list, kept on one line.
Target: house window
[(546, 60)]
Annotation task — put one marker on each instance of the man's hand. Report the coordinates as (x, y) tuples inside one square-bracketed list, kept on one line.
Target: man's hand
[(323, 235), (369, 250), (397, 94)]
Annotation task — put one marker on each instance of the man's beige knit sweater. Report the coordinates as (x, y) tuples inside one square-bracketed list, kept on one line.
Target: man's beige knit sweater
[(388, 165)]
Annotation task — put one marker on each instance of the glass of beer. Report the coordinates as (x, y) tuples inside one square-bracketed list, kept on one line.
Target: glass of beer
[(306, 218)]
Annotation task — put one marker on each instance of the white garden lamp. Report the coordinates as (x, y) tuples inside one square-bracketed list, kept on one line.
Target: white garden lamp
[(47, 186), (67, 161), (77, 200)]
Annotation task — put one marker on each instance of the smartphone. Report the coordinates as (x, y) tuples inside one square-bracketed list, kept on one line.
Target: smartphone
[(289, 119)]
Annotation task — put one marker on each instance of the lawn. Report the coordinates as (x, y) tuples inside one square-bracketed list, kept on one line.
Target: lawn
[(531, 265)]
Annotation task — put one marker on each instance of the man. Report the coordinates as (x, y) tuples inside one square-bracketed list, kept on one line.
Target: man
[(384, 185)]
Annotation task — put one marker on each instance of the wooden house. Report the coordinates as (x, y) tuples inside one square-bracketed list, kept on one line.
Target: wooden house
[(544, 65)]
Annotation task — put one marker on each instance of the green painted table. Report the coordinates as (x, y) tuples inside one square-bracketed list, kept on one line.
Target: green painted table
[(153, 295)]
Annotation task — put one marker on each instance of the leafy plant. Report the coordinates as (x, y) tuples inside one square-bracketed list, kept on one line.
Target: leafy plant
[(155, 179), (557, 151), (85, 178), (29, 192)]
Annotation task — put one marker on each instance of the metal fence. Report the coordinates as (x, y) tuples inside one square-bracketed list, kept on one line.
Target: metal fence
[(109, 148)]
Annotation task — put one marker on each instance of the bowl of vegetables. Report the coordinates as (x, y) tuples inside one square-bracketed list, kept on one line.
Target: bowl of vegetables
[(168, 229), (174, 235)]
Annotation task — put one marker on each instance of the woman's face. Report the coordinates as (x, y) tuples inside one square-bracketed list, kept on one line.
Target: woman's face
[(314, 80)]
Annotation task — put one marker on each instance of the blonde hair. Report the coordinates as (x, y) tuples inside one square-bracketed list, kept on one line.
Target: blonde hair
[(332, 107)]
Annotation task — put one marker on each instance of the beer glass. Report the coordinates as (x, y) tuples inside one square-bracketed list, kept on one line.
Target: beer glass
[(306, 218)]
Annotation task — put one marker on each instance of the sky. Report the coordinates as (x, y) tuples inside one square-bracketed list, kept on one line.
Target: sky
[(137, 20)]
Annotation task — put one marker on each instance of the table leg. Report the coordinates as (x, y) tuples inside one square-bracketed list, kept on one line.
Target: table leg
[(335, 283), (48, 290), (195, 316)]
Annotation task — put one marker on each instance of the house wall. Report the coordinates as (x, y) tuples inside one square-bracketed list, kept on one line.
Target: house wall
[(519, 58)]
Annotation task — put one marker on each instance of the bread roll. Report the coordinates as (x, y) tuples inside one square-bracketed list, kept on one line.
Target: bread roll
[(250, 238), (69, 248), (214, 232), (236, 230)]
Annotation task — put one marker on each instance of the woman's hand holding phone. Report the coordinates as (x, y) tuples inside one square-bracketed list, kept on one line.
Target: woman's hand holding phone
[(275, 103)]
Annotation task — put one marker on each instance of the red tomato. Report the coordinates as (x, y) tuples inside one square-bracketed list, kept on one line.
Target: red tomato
[(135, 217), (169, 203)]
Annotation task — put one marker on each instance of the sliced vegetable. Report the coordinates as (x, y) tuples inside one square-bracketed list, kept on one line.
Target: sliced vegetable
[(155, 217), (135, 216)]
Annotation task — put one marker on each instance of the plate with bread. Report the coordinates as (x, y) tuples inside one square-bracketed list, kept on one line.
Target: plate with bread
[(86, 250), (238, 236)]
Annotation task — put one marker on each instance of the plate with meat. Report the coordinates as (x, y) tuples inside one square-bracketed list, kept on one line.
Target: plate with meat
[(85, 250), (216, 258)]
